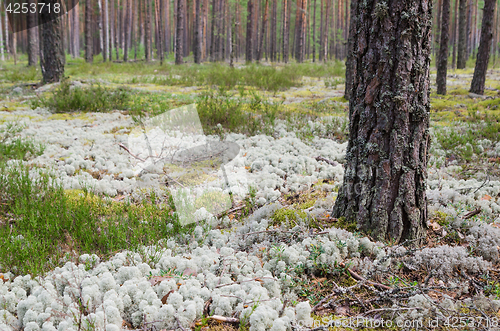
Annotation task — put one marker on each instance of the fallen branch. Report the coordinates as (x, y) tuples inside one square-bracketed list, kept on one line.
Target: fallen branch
[(471, 214), (332, 163), (358, 277), (230, 211), (388, 309), (224, 319), (258, 279), (128, 151)]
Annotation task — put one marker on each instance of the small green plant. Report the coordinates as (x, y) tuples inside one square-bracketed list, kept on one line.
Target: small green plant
[(94, 98), (14, 147)]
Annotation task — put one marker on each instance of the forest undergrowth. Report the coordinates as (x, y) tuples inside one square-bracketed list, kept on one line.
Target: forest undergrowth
[(452, 279)]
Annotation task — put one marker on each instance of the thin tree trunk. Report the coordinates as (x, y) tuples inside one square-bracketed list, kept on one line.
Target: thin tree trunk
[(32, 37), (249, 37), (263, 30), (350, 71), (89, 56), (126, 30), (7, 45), (286, 34), (52, 61), (159, 46), (314, 33), (462, 35), (147, 28), (325, 32), (180, 32), (454, 38), (442, 62), (2, 53), (197, 32), (101, 26), (384, 188), (483, 56)]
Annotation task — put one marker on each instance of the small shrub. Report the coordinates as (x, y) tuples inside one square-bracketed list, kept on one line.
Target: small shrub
[(90, 99)]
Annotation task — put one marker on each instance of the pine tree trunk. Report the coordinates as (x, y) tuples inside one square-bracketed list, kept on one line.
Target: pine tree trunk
[(286, 37), (326, 32), (384, 189), (180, 33), (159, 32), (147, 32), (2, 52), (442, 61), (350, 64), (7, 47), (454, 37), (126, 30), (249, 37), (437, 35), (52, 60), (197, 32), (32, 37), (321, 31), (462, 35), (483, 55), (89, 56), (263, 30), (314, 33)]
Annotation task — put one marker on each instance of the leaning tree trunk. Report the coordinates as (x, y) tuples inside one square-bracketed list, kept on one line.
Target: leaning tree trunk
[(52, 59), (462, 35), (386, 161), (32, 37), (483, 55), (442, 62)]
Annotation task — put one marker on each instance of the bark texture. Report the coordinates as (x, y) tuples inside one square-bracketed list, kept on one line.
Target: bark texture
[(249, 37), (52, 59), (386, 161), (442, 61), (483, 55), (462, 35)]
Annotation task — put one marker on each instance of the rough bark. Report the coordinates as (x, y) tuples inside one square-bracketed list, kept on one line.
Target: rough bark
[(89, 56), (483, 56), (442, 61), (52, 59), (32, 37), (350, 70), (462, 35), (180, 33), (386, 161)]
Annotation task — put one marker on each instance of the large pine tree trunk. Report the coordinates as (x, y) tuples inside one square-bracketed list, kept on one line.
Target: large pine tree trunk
[(386, 161), (52, 59), (180, 33), (483, 55), (462, 35), (32, 37), (442, 61), (89, 56)]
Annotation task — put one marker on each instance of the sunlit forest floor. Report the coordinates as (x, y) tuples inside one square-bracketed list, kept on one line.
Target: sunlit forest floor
[(293, 112)]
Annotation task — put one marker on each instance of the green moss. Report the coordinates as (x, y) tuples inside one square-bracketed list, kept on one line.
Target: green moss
[(342, 223), (287, 217)]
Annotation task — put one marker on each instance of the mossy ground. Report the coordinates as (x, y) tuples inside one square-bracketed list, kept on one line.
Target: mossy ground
[(300, 93)]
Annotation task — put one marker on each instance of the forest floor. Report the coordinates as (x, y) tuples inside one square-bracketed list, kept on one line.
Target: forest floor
[(71, 188)]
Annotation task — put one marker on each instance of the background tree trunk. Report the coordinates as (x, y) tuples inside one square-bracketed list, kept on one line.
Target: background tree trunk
[(147, 31), (350, 64), (89, 56), (32, 37), (197, 33), (180, 33), (386, 163), (249, 37), (52, 61), (263, 30), (314, 33), (442, 62), (462, 35), (483, 56)]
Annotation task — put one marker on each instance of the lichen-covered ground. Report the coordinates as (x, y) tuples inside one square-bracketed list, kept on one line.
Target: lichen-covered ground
[(277, 260)]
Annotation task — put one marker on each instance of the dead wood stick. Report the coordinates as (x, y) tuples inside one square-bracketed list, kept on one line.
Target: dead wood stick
[(388, 309), (231, 210), (332, 163), (471, 214), (224, 319), (258, 279), (128, 151), (358, 277)]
